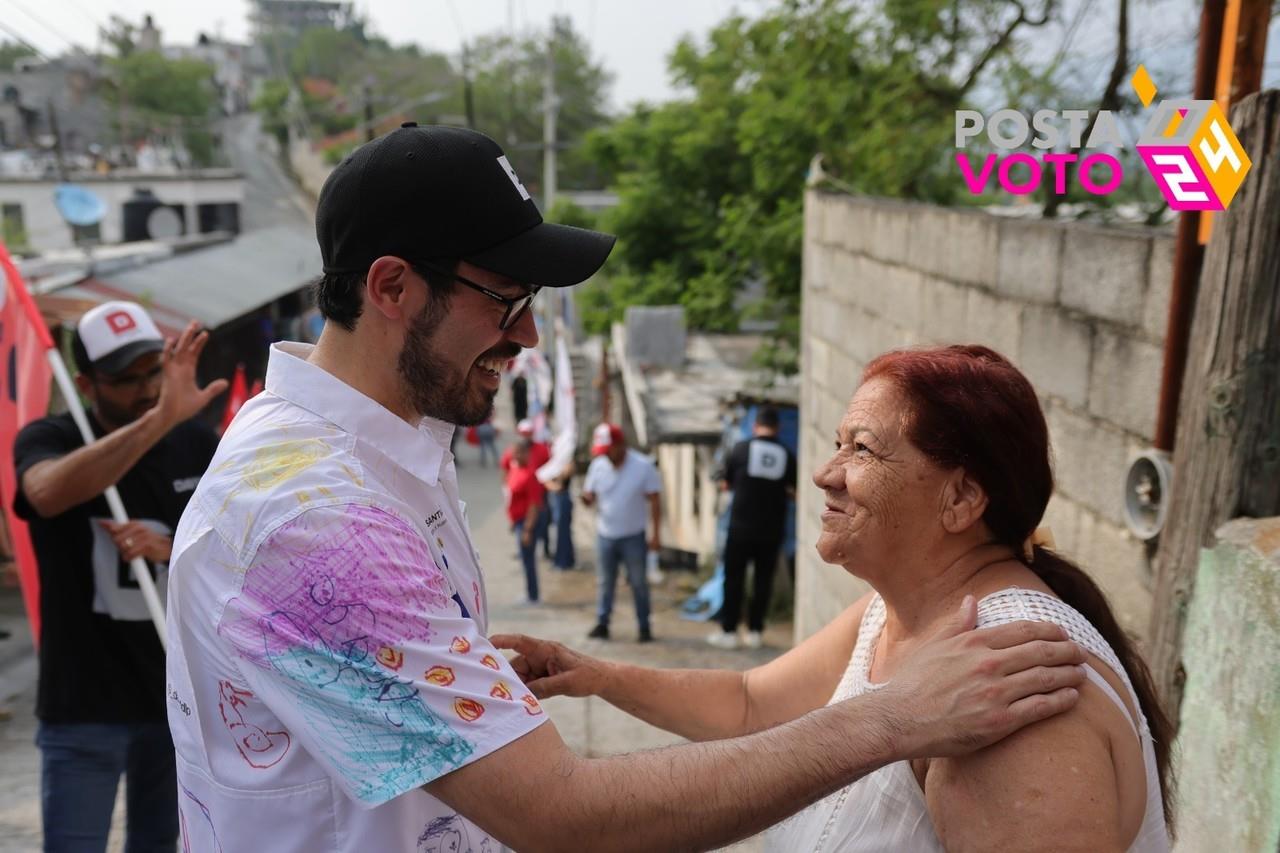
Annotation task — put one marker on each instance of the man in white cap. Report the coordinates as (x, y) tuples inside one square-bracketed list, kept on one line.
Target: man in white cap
[(101, 695), (623, 485)]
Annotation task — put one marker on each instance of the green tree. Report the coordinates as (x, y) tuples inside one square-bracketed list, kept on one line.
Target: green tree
[(159, 94), (711, 186), (11, 52), (508, 78), (326, 53)]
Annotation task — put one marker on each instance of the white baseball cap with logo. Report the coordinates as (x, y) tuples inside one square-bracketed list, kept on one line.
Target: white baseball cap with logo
[(115, 334)]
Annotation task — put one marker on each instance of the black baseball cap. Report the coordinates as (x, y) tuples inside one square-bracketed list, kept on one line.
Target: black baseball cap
[(426, 193)]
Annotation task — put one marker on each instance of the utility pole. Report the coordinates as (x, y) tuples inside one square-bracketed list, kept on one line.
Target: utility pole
[(368, 109), (468, 97), (550, 107), (57, 141)]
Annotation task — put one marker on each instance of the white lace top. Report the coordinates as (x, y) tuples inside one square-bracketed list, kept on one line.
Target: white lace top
[(885, 810)]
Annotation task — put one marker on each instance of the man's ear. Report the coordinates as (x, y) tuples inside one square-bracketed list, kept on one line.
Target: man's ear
[(964, 502), (85, 386), (389, 288)]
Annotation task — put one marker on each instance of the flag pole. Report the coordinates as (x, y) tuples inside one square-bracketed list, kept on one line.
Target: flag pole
[(140, 572)]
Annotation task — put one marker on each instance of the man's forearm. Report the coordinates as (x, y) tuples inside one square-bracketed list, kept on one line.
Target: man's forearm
[(697, 704), (55, 486), (706, 795)]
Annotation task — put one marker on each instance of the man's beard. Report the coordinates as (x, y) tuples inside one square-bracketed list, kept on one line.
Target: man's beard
[(432, 385)]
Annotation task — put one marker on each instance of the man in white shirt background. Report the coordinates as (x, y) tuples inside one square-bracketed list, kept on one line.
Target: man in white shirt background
[(623, 484), (330, 682)]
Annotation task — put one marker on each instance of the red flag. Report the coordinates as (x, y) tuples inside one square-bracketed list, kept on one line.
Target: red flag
[(256, 389), (25, 376), (238, 397)]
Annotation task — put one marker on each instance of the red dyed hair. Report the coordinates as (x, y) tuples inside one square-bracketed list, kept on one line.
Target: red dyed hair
[(971, 408)]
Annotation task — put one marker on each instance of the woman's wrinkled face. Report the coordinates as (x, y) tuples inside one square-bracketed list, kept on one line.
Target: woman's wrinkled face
[(883, 495)]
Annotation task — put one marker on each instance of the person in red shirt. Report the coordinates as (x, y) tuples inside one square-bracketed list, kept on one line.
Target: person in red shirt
[(539, 455), (525, 496), (539, 452)]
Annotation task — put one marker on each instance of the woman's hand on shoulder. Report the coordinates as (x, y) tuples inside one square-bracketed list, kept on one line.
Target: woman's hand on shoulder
[(549, 668)]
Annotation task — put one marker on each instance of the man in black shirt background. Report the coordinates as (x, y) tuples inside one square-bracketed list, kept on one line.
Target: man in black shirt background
[(761, 473), (101, 695)]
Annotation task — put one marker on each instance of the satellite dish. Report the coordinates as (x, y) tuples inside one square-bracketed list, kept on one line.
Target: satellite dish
[(164, 223), (79, 206)]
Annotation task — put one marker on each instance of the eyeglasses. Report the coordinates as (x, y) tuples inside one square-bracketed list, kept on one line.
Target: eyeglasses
[(515, 307)]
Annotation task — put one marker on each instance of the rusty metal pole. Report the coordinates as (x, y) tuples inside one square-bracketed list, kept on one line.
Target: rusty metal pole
[(1188, 255)]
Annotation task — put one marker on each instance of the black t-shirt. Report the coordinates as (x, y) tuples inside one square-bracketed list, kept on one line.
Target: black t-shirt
[(100, 658), (760, 470)]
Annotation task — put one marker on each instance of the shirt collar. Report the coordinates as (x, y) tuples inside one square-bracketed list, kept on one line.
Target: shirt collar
[(420, 450)]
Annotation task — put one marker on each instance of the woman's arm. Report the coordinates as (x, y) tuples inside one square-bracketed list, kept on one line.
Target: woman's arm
[(1050, 785), (698, 704)]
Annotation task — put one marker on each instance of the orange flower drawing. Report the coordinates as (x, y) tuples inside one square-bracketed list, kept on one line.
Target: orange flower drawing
[(491, 662), (468, 709), (460, 645), (500, 691), (391, 658), (531, 706), (439, 675)]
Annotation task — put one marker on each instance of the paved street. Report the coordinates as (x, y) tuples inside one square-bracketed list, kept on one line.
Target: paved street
[(591, 727)]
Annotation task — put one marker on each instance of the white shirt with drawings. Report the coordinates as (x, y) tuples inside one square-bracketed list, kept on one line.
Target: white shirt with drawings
[(327, 631)]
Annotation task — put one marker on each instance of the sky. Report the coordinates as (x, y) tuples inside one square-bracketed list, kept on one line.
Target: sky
[(632, 39)]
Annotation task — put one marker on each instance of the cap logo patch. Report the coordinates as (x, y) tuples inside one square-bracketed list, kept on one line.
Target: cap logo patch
[(121, 322), (515, 179)]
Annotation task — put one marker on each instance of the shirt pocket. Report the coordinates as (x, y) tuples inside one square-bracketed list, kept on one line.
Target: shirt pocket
[(216, 817)]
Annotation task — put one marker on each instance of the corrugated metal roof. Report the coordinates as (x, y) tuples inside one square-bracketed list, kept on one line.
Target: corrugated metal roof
[(218, 284)]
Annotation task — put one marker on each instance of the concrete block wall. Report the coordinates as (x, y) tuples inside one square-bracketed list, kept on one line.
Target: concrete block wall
[(1079, 308)]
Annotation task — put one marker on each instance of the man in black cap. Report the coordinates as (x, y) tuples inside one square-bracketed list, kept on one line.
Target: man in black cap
[(332, 686), (100, 698)]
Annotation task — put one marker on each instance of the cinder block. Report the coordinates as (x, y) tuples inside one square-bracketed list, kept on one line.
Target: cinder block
[(1062, 516), (1090, 461), (842, 377), (973, 248), (901, 293), (1030, 260), (1117, 562), (1155, 307), (851, 225), (817, 361), (851, 277), (928, 242), (890, 225), (994, 322), (1054, 352), (1124, 382), (1104, 274), (942, 312), (814, 266)]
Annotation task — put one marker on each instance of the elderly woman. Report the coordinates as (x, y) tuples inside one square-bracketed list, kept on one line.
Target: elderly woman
[(939, 477)]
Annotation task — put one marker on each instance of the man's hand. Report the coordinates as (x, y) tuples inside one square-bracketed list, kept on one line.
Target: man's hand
[(526, 536), (180, 397), (655, 542), (550, 669), (588, 498), (965, 689), (135, 539)]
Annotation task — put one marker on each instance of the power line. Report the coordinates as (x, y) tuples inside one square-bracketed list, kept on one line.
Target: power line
[(33, 16), (13, 34)]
